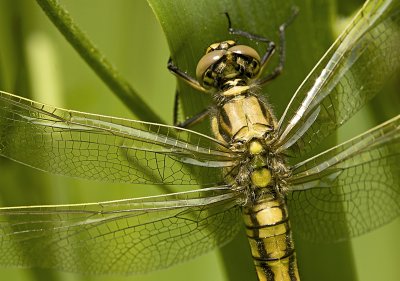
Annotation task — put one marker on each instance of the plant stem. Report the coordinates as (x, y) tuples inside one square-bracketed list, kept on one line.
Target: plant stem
[(97, 61)]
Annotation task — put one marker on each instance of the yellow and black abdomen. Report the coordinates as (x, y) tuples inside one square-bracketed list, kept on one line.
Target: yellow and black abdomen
[(269, 234)]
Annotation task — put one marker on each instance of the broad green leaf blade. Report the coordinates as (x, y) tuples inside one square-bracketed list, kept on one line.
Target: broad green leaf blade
[(191, 28)]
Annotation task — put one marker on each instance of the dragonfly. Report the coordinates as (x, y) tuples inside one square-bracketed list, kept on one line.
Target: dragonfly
[(339, 193)]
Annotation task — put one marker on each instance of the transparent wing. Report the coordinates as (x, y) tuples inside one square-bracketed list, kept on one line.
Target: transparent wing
[(352, 71), (106, 148), (125, 236), (349, 189)]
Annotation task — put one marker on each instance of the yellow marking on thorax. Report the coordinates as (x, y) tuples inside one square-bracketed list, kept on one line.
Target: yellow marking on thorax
[(236, 90)]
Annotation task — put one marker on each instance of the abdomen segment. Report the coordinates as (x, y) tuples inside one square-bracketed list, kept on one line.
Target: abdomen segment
[(270, 238)]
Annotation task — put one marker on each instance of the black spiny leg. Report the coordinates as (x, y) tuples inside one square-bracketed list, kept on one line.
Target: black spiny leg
[(193, 83), (176, 109), (282, 49), (270, 46), (194, 120), (185, 77), (190, 121)]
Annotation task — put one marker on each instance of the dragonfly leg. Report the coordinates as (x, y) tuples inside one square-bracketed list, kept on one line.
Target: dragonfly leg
[(199, 117), (176, 108), (270, 44), (189, 122), (194, 84), (282, 53), (184, 76)]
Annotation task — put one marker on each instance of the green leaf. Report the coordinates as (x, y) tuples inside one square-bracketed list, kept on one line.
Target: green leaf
[(191, 26)]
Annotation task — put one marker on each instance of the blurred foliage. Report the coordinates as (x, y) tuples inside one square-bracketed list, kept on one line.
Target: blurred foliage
[(36, 61)]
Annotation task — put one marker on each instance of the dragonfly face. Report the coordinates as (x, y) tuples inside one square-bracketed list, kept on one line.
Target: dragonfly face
[(226, 63), (241, 172)]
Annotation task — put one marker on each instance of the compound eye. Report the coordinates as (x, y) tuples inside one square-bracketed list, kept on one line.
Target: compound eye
[(206, 61), (246, 51)]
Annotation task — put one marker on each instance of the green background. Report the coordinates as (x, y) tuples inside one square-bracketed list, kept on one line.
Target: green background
[(36, 59)]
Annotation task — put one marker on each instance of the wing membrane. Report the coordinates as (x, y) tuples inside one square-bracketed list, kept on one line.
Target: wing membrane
[(124, 236), (350, 189), (106, 148), (351, 72)]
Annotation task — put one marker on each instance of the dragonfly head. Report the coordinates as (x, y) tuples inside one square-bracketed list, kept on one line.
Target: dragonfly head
[(226, 61)]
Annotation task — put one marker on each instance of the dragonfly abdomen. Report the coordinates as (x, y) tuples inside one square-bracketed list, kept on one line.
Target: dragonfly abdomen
[(268, 231)]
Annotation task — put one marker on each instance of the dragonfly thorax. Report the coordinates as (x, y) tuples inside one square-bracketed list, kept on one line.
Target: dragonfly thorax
[(242, 117), (226, 61)]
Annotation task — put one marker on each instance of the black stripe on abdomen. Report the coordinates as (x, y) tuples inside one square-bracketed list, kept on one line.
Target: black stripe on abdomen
[(271, 243)]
